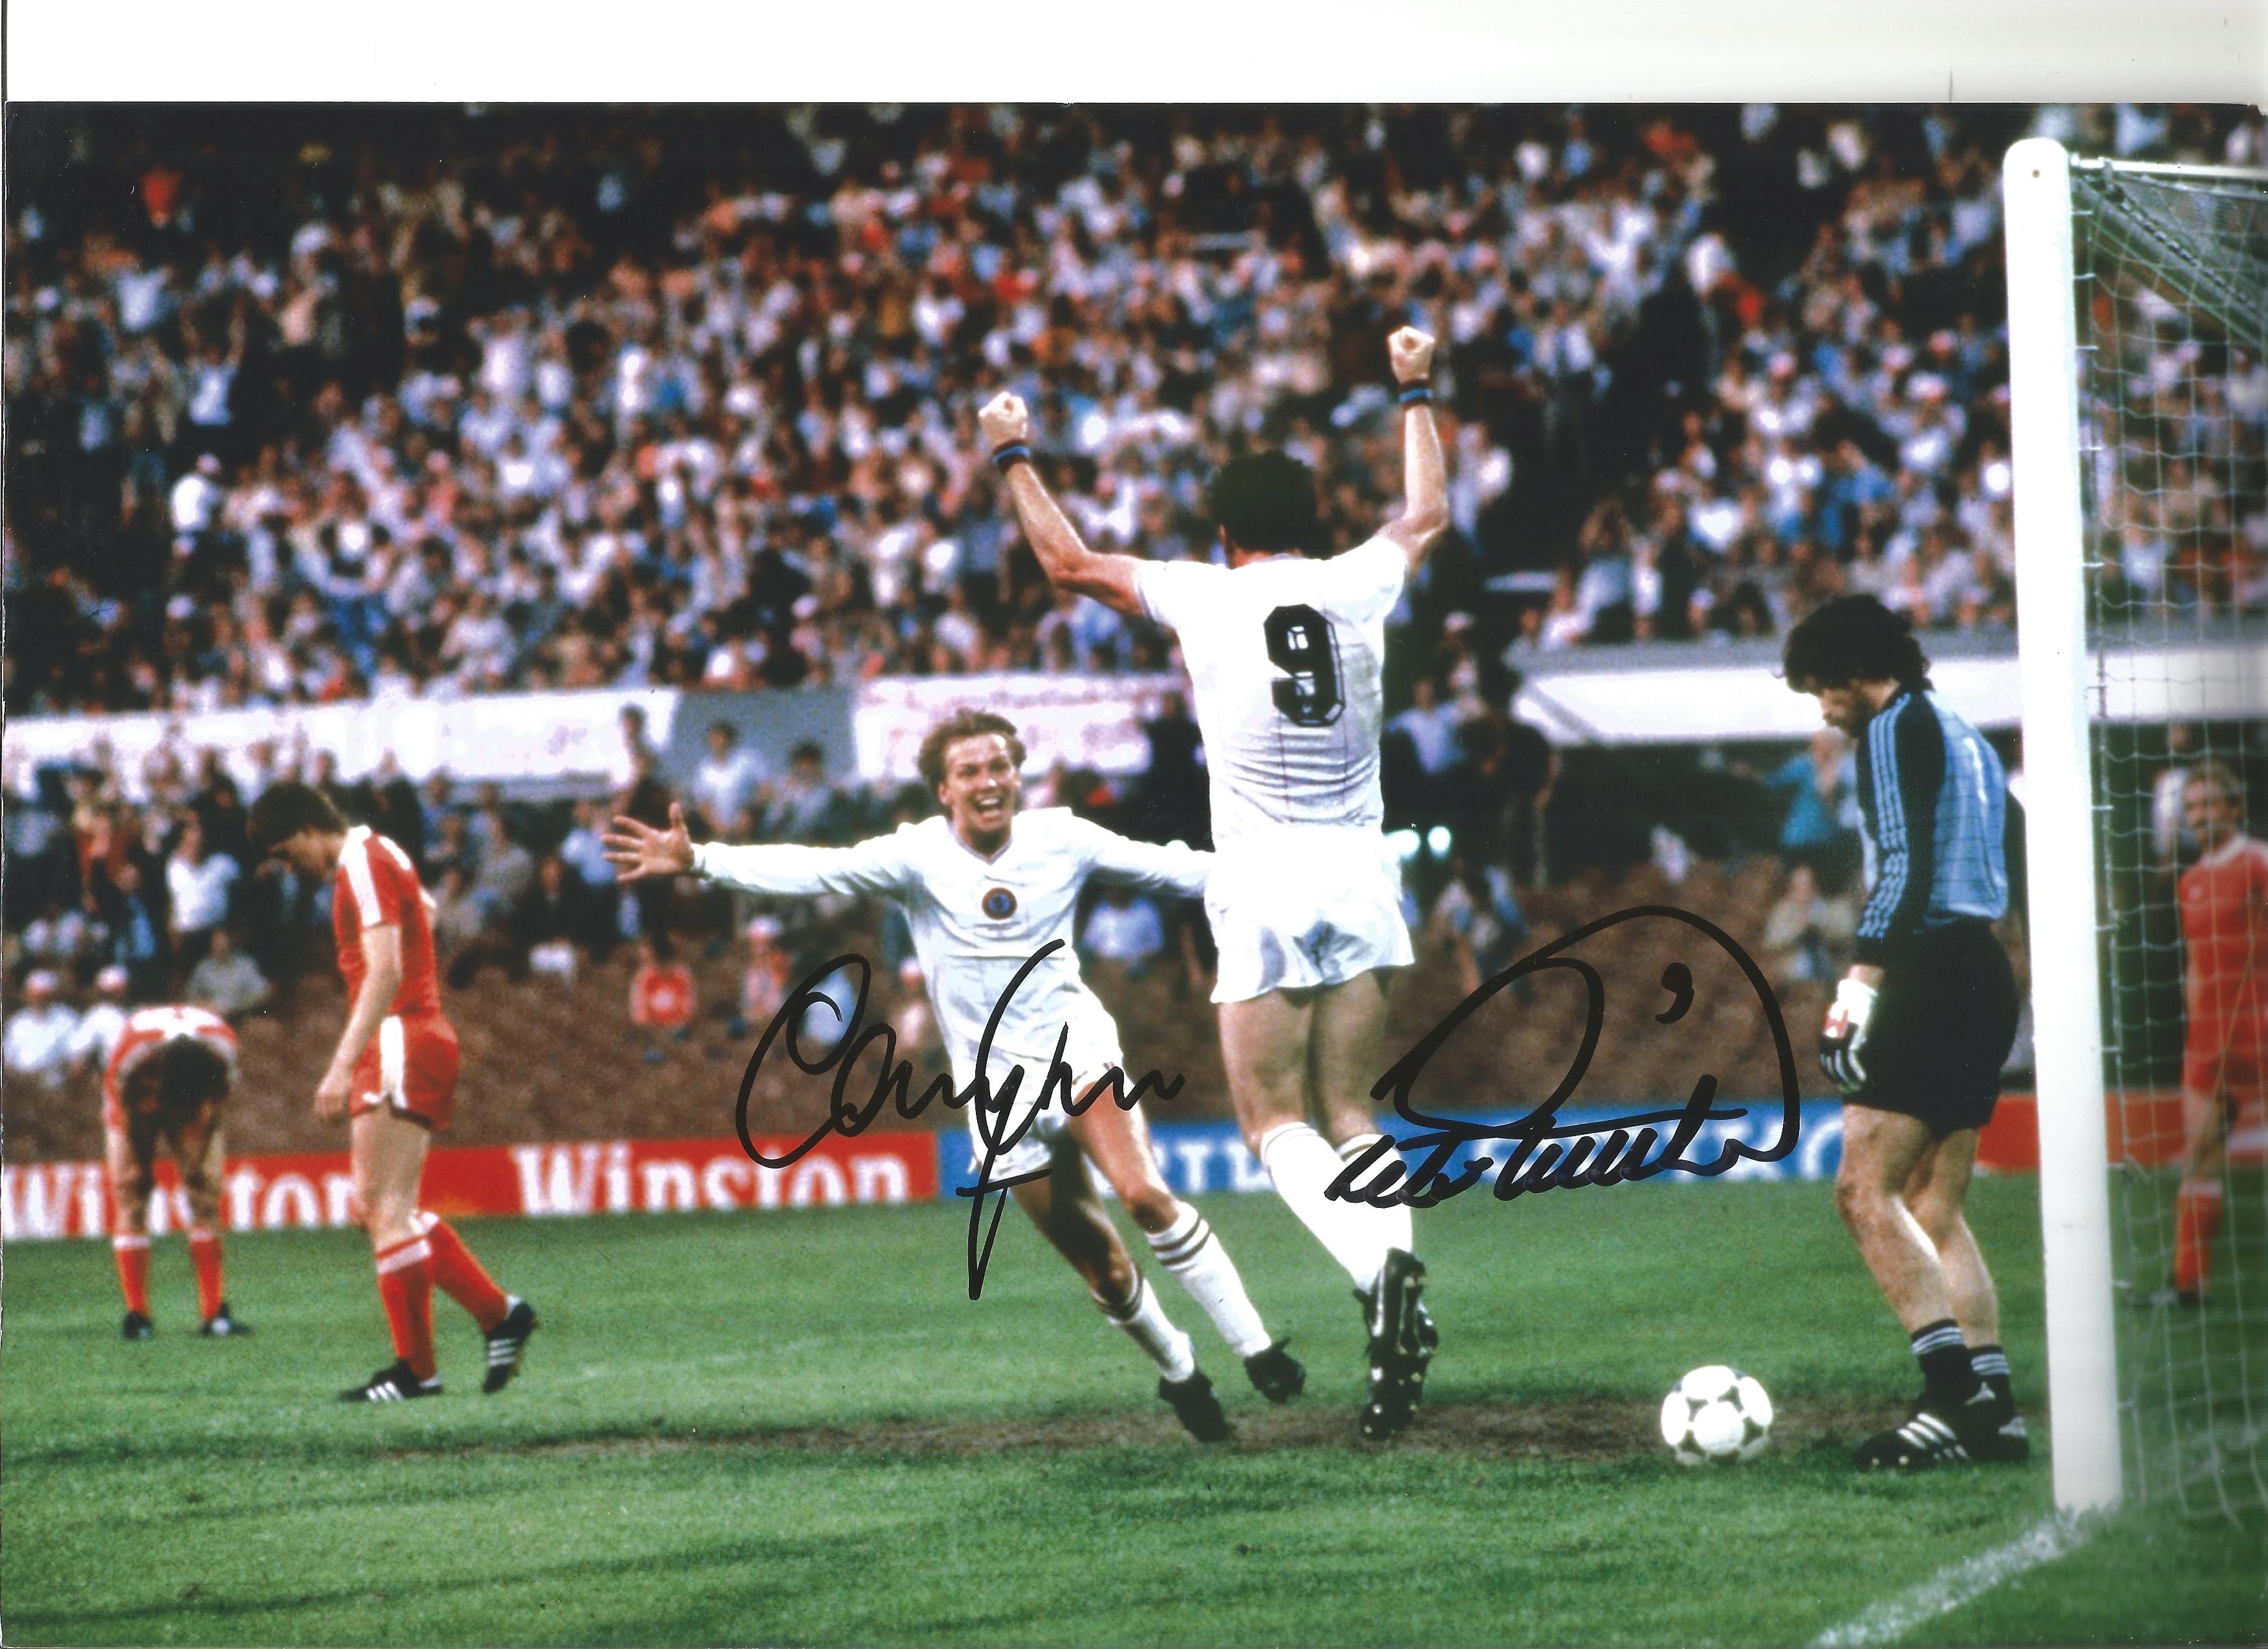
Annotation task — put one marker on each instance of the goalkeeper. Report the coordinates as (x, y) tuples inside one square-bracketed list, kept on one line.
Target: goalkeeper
[(1922, 1023)]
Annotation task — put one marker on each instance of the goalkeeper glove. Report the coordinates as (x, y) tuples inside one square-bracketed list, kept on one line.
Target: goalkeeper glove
[(1845, 1033)]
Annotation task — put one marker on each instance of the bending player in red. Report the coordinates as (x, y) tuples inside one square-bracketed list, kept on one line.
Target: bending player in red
[(394, 1074), (2224, 904), (167, 1080)]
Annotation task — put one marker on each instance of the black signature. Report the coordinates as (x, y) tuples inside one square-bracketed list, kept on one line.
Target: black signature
[(893, 1087), (1548, 1155)]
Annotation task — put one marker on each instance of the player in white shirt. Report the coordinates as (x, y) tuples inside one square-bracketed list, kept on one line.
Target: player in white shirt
[(983, 889), (1285, 651)]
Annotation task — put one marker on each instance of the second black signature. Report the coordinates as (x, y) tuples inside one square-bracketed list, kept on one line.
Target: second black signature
[(1542, 1152)]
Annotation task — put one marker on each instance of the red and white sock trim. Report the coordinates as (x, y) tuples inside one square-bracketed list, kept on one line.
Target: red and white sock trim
[(404, 1254)]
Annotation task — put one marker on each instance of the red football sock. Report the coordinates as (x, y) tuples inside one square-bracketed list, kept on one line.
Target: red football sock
[(204, 1254), (460, 1275), (131, 1250), (405, 1283), (2198, 1223)]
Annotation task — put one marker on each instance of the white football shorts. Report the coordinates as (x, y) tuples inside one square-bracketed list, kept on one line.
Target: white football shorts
[(1035, 1150), (1296, 907)]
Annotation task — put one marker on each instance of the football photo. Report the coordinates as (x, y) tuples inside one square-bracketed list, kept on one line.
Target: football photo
[(785, 868)]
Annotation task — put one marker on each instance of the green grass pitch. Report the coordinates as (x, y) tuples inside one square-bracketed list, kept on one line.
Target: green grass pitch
[(797, 1429)]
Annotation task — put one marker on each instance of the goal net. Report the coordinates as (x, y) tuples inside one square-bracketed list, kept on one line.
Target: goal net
[(2163, 404), (2171, 279)]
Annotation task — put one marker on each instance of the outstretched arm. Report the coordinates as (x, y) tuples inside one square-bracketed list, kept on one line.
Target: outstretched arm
[(1063, 555), (637, 850), (1174, 868), (1425, 477)]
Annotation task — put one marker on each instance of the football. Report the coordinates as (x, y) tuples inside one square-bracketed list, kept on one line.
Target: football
[(1716, 1415)]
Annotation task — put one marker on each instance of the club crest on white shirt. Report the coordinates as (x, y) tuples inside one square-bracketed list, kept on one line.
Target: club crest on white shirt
[(998, 903)]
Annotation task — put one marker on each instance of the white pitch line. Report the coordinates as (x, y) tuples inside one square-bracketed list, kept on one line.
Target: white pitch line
[(1887, 1622)]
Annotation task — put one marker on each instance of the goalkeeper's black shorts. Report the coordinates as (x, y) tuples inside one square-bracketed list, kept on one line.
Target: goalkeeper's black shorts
[(1941, 1029)]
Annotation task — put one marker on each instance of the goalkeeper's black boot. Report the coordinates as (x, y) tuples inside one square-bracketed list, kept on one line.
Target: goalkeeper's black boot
[(1941, 1433), (1925, 1440), (1998, 1434), (2009, 1443), (1276, 1374), (1401, 1342), (397, 1384), (1196, 1407), (507, 1342)]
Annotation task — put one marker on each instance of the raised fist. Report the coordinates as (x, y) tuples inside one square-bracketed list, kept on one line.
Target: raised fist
[(1004, 418), (1412, 353)]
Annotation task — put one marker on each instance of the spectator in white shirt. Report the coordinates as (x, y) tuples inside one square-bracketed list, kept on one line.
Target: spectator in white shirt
[(1432, 725), (728, 782), (584, 853), (37, 1045), (228, 982), (100, 1026), (198, 883), (807, 804), (196, 498), (478, 646), (57, 938)]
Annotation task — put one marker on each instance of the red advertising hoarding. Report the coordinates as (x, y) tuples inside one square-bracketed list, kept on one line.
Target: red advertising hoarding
[(608, 1176)]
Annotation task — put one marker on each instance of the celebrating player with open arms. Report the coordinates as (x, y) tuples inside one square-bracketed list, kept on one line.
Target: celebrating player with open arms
[(394, 1077), (983, 888), (168, 1081), (1285, 647), (1922, 1024)]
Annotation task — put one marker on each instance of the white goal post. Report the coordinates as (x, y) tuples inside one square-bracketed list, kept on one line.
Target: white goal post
[(2138, 343), (2059, 836)]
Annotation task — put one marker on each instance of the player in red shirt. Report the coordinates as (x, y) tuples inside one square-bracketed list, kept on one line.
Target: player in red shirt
[(167, 1080), (395, 1076), (2224, 906)]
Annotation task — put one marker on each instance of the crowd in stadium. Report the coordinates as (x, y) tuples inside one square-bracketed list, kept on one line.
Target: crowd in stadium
[(684, 397), (321, 407)]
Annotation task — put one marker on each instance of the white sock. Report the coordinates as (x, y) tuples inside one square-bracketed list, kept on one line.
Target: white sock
[(1145, 1320), (1396, 1218), (1196, 1259), (1303, 1165)]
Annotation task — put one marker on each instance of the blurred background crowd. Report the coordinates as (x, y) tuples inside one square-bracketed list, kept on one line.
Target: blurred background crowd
[(310, 405), (333, 404), (129, 889)]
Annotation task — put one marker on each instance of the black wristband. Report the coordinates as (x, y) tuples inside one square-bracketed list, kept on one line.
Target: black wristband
[(1008, 454), (1416, 394)]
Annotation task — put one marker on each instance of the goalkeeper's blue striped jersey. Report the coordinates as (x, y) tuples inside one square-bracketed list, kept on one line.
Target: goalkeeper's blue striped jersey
[(1934, 799)]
